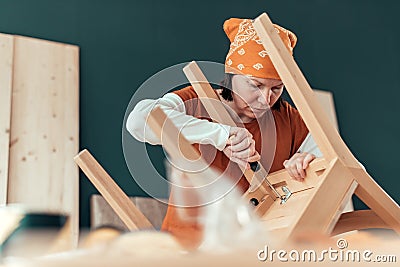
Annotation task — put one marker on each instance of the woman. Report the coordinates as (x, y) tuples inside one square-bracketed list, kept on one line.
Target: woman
[(251, 89)]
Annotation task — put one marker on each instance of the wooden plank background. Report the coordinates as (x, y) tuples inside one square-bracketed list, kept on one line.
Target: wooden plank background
[(45, 127)]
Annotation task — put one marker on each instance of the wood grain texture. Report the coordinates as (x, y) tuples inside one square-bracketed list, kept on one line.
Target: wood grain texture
[(44, 130), (118, 200), (6, 67)]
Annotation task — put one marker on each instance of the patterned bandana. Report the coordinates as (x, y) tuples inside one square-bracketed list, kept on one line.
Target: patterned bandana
[(247, 54)]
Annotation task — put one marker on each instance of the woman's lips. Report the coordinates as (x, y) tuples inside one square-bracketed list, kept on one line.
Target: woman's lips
[(259, 109)]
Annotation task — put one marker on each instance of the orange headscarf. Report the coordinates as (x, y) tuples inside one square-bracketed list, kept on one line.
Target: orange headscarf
[(247, 54)]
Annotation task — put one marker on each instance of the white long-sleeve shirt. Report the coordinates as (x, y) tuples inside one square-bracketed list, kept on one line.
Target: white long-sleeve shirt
[(195, 130)]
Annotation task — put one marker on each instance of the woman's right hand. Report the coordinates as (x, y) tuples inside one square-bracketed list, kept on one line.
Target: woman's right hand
[(241, 147)]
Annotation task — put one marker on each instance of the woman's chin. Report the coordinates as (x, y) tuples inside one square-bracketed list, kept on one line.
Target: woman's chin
[(250, 114), (258, 113)]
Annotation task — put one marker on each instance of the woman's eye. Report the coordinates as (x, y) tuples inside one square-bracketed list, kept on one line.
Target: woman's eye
[(252, 85), (276, 89)]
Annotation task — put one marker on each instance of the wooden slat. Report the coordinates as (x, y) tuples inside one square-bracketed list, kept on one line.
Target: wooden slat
[(177, 146), (172, 140), (325, 98), (45, 128), (118, 200), (6, 67), (207, 96), (314, 116)]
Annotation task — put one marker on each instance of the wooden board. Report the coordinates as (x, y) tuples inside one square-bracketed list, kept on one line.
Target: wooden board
[(6, 66), (45, 128)]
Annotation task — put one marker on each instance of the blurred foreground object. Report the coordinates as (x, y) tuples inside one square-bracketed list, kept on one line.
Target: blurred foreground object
[(27, 233)]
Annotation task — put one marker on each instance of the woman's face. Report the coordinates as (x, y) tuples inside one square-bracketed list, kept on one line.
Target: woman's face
[(254, 96)]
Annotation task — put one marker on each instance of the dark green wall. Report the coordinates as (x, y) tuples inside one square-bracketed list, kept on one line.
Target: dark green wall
[(349, 47)]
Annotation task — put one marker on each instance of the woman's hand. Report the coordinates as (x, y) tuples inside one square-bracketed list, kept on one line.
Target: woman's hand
[(297, 164), (241, 147)]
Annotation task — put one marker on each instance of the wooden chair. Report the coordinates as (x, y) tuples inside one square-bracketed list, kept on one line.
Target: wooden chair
[(290, 208)]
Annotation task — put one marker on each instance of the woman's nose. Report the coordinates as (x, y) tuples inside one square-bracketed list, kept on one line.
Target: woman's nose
[(265, 97)]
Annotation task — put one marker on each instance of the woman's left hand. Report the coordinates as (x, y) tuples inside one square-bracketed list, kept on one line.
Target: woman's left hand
[(297, 164)]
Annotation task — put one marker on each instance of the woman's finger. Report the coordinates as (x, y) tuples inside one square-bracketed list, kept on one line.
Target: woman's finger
[(254, 158), (285, 163), (296, 174), (236, 138), (243, 145), (300, 170), (293, 170), (237, 135), (308, 158), (243, 164), (247, 158), (245, 153), (291, 173), (288, 167)]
